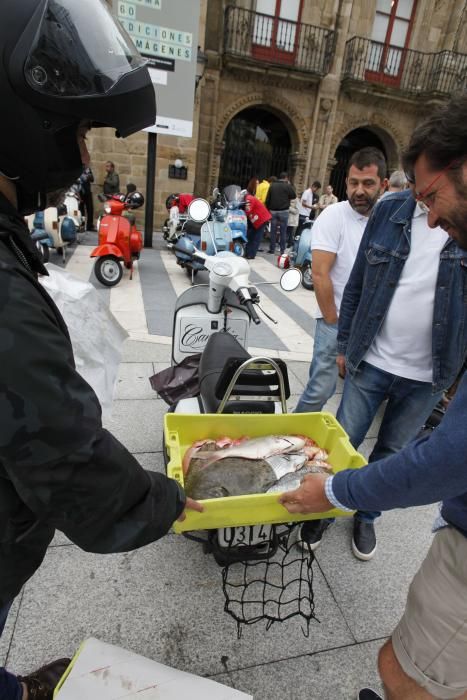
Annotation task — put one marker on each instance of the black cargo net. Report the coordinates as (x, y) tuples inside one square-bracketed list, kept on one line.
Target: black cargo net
[(274, 586)]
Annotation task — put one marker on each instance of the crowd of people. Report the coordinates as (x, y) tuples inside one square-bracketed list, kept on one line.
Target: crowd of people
[(391, 284)]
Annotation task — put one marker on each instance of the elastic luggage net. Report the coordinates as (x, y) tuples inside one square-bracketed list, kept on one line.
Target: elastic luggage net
[(271, 589)]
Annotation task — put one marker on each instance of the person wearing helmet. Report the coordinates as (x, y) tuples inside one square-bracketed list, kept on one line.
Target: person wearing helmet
[(66, 67)]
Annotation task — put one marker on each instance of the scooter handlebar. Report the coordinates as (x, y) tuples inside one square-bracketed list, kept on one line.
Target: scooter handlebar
[(252, 311)]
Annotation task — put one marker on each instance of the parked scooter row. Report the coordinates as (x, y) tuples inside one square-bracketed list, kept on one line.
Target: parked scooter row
[(224, 229)]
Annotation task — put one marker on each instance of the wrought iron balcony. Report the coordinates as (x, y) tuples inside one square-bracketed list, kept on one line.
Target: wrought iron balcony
[(276, 41), (412, 72)]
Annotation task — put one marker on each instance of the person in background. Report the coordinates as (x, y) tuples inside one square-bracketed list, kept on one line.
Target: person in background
[(59, 468), (111, 180), (258, 218), (292, 221), (309, 203), (336, 238), (262, 190), (326, 199), (425, 657), (252, 185), (397, 182), (86, 204), (278, 199)]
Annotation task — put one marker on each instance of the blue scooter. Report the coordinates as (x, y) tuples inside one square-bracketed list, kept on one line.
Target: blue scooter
[(236, 218), (300, 256), (212, 236)]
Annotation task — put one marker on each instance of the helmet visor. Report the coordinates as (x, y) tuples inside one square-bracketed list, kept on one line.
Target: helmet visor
[(80, 50)]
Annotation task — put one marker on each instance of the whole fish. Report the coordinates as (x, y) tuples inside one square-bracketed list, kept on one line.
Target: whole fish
[(256, 448), (232, 476)]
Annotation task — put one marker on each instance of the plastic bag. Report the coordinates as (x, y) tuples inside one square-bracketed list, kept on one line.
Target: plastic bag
[(96, 335), (178, 382)]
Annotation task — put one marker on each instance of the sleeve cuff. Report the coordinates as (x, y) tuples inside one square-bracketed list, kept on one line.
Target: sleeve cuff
[(331, 497)]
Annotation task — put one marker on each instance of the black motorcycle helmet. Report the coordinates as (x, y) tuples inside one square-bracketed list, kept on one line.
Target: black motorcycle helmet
[(135, 200), (63, 63)]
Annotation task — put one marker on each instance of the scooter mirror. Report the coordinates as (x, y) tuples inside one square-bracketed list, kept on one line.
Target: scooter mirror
[(291, 279), (199, 210), (216, 191)]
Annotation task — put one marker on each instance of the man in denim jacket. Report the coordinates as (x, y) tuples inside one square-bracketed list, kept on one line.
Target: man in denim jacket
[(402, 333), (426, 655)]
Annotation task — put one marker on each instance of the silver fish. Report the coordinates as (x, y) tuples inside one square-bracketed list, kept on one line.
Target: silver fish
[(256, 448), (292, 481)]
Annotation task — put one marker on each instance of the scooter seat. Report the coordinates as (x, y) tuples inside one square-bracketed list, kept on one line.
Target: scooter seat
[(193, 227), (221, 357)]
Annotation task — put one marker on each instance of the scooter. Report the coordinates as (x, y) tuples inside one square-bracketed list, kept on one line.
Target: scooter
[(50, 229), (214, 320), (211, 235), (71, 208), (300, 256), (120, 242), (236, 218)]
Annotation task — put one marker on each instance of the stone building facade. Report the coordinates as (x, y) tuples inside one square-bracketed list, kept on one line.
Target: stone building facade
[(300, 85)]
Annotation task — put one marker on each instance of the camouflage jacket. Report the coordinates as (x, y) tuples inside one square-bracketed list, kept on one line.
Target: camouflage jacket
[(59, 469)]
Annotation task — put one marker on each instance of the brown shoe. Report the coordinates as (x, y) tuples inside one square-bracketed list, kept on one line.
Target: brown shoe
[(41, 683)]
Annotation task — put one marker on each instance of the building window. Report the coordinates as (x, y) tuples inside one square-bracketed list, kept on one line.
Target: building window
[(390, 36), (275, 29)]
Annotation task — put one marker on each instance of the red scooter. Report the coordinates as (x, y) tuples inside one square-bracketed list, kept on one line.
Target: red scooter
[(120, 242)]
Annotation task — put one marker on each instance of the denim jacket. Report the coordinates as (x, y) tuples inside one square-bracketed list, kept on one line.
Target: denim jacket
[(383, 251)]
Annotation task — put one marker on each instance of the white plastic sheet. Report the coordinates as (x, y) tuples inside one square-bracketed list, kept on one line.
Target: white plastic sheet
[(105, 672), (95, 333)]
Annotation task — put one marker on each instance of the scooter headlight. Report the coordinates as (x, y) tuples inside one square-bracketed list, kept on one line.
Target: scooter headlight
[(107, 209)]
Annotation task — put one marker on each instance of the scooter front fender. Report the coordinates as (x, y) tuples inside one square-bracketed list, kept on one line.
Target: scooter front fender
[(106, 249)]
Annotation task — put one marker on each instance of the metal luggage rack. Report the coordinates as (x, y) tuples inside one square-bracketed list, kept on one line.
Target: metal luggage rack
[(271, 385)]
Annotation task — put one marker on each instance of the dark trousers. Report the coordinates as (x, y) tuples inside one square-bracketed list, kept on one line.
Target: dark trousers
[(279, 219), (86, 207), (255, 236), (10, 688)]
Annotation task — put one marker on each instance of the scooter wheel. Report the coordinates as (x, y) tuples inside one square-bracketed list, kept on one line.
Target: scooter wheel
[(108, 270), (307, 279), (239, 249)]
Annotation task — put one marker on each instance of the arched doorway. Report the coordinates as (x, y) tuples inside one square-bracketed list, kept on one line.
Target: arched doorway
[(353, 141), (256, 142)]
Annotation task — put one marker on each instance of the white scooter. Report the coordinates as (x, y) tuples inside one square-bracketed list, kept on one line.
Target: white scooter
[(214, 320)]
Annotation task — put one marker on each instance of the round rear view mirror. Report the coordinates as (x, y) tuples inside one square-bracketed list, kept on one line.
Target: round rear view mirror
[(291, 279), (199, 210)]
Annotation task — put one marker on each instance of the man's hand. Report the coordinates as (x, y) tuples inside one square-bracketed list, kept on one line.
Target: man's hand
[(190, 505), (330, 320), (310, 496), (340, 360)]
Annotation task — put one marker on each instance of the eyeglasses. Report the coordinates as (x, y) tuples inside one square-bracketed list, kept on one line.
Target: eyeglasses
[(426, 194)]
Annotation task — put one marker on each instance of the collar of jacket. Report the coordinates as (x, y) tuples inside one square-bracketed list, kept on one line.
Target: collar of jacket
[(403, 204), (12, 225)]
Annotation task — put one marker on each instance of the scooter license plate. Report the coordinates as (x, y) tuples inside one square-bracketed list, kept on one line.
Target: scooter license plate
[(244, 535)]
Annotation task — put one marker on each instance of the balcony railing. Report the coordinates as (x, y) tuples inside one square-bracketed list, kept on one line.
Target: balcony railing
[(413, 72), (272, 40)]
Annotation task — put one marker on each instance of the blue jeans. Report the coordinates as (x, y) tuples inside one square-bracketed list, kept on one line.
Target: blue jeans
[(410, 402), (323, 374), (10, 689), (255, 236), (279, 218)]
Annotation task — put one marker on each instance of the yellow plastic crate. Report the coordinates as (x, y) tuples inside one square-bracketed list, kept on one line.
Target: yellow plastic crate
[(181, 431)]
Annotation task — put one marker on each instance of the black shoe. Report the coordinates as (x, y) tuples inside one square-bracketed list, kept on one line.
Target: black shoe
[(260, 250), (364, 539), (271, 252), (41, 683), (311, 533), (368, 694)]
